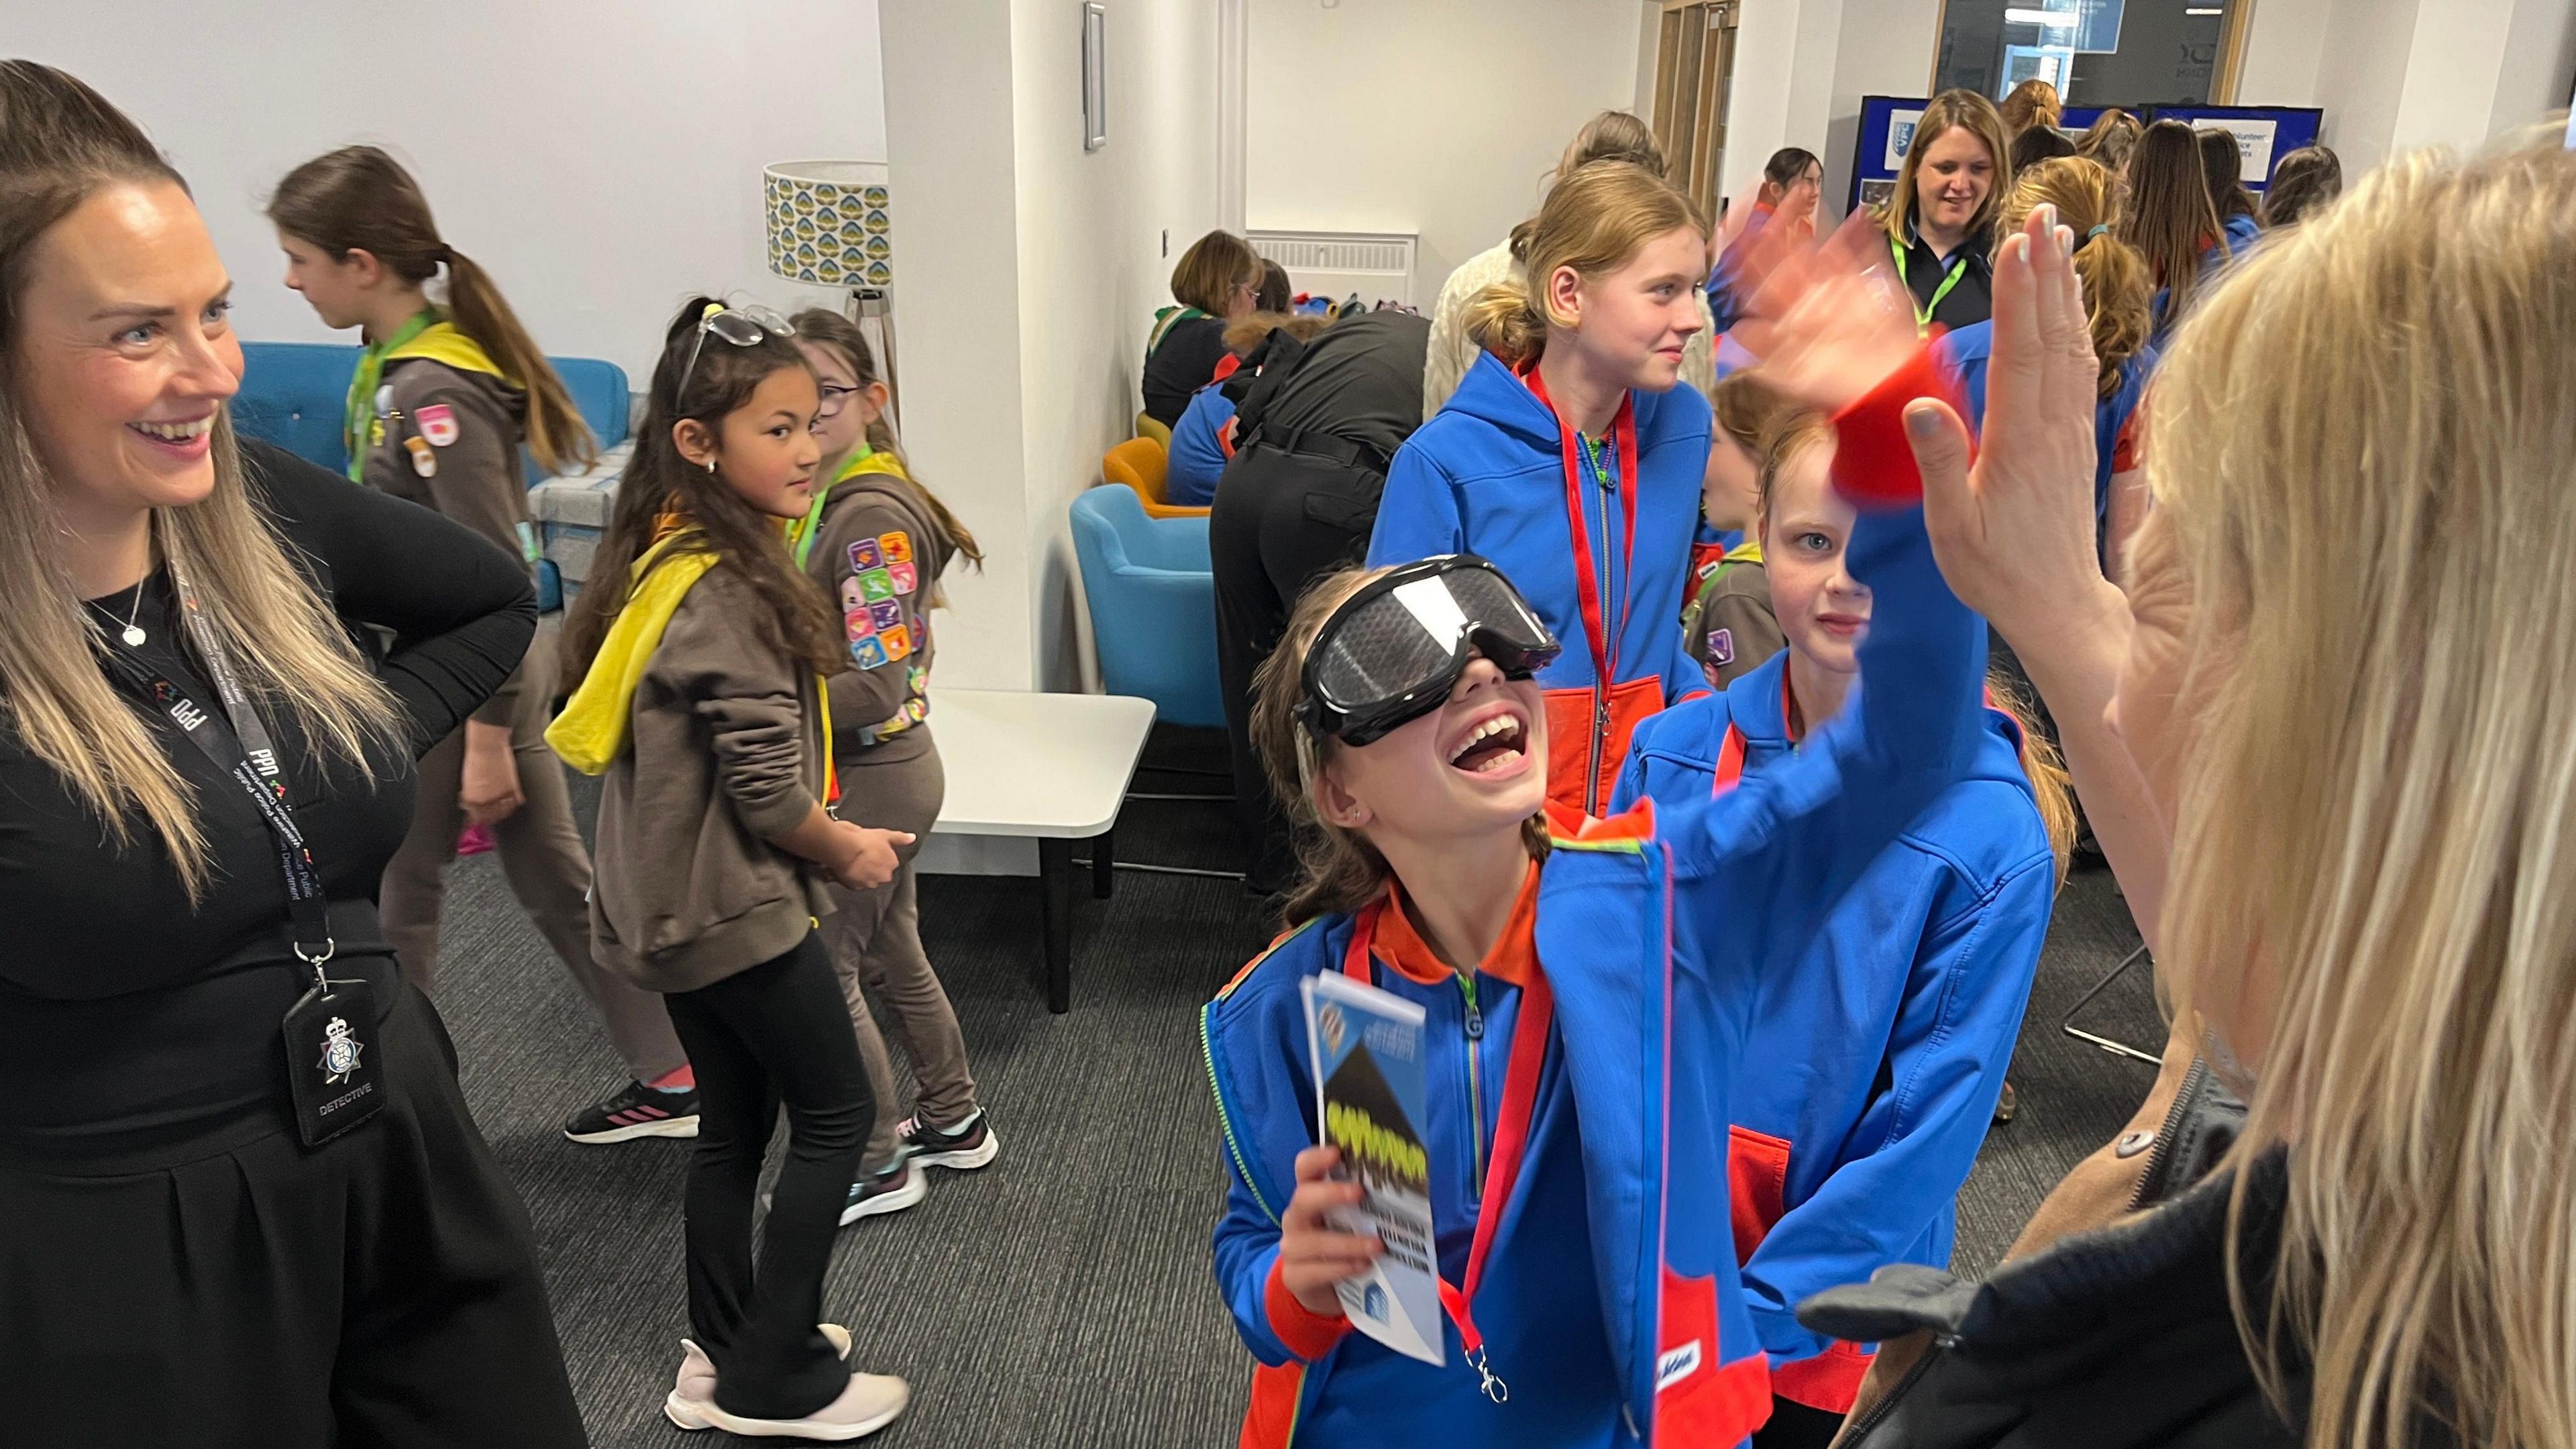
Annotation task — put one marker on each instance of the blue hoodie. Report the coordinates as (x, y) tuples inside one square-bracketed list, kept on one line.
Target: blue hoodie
[(1611, 1302), (1487, 476), (1967, 352), (1198, 457), (1872, 1070)]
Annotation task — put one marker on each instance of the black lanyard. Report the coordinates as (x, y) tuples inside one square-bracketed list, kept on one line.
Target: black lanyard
[(238, 743)]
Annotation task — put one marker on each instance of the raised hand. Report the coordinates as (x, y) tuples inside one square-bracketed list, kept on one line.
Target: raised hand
[(1828, 319), (2014, 532)]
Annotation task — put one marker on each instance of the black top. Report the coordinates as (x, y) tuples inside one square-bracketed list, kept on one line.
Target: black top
[(130, 1018), (1186, 362), (1970, 300), (1360, 381)]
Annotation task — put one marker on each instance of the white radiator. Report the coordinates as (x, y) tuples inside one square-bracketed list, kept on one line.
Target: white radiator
[(1379, 266)]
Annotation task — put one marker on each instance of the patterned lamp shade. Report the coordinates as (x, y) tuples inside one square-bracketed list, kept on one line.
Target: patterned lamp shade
[(828, 223)]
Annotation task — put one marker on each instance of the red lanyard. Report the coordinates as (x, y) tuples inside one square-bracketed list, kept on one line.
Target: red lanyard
[(1730, 755), (1511, 1134), (1587, 589)]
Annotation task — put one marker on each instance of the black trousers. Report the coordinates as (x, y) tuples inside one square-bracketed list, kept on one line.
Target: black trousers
[(775, 1034), (1281, 521), (380, 1291), (1795, 1426)]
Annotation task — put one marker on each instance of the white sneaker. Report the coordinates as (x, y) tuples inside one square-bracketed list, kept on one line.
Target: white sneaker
[(693, 1390), (871, 1402)]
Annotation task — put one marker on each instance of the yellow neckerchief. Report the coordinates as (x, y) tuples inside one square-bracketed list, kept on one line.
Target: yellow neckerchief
[(439, 341), (1749, 551), (591, 732), (800, 535)]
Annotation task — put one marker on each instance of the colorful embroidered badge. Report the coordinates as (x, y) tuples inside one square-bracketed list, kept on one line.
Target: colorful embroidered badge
[(438, 424)]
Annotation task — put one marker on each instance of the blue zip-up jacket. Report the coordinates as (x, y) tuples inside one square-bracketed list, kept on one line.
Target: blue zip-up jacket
[(1611, 1302), (1197, 458), (1967, 353), (1487, 476), (1871, 1070)]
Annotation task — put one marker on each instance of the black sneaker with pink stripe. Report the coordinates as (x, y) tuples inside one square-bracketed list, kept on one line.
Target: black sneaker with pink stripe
[(633, 1111)]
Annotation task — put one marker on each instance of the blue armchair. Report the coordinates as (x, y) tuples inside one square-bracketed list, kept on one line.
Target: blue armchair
[(294, 394), (1153, 604)]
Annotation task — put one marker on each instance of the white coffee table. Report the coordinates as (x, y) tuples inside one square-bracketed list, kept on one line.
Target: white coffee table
[(1049, 767)]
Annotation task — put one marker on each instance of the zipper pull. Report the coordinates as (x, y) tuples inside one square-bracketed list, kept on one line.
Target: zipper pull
[(1475, 1023)]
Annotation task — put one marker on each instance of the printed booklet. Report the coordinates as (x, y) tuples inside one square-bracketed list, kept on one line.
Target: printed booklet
[(1370, 1096)]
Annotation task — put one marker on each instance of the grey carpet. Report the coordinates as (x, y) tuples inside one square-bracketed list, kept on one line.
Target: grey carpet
[(1061, 1296)]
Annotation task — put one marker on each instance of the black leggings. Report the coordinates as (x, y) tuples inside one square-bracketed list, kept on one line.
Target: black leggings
[(775, 1033), (1281, 521)]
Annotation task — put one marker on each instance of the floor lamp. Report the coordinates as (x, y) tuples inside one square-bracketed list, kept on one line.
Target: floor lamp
[(828, 224)]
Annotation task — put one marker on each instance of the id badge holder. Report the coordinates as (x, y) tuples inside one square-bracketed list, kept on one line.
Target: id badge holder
[(334, 1062)]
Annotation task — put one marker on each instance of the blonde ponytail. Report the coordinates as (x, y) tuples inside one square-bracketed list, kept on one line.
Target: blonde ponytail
[(1594, 220)]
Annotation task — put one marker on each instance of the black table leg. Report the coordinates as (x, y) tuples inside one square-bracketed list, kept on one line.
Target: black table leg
[(1104, 867), (1055, 879)]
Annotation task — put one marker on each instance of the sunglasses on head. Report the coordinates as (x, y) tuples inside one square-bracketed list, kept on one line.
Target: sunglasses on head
[(741, 326), (1395, 648)]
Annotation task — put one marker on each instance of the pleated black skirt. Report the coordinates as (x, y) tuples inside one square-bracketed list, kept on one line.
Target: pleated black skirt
[(379, 1290)]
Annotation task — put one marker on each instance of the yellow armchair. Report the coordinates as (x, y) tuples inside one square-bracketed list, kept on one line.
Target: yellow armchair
[(1139, 463)]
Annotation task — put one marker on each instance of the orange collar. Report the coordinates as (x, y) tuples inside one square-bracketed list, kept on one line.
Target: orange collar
[(1514, 957)]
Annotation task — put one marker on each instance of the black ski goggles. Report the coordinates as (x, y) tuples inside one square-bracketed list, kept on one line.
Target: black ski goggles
[(1393, 651)]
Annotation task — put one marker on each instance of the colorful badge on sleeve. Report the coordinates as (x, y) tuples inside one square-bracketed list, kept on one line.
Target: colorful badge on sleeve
[(907, 579), (897, 546), (897, 641), (887, 614), (875, 585), (868, 653), (864, 556), (438, 424), (424, 461)]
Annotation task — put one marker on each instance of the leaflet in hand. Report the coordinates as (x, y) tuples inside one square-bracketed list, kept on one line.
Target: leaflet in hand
[(1370, 1096)]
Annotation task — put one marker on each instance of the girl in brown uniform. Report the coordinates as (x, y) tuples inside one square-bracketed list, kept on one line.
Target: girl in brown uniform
[(442, 400), (879, 541)]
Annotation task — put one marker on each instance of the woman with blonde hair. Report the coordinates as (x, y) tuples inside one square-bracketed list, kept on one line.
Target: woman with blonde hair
[(243, 1200), (1570, 458), (2116, 290), (2327, 739), (1609, 136), (1940, 218)]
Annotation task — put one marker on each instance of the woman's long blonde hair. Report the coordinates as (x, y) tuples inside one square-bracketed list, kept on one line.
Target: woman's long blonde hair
[(1594, 221), (2362, 458), (2116, 285), (60, 143)]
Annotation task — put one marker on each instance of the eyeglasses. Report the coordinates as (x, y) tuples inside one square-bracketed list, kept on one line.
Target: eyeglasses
[(741, 326), (835, 398)]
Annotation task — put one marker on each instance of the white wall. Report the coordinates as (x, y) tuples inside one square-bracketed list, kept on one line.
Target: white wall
[(601, 157), (1442, 117), (1021, 330)]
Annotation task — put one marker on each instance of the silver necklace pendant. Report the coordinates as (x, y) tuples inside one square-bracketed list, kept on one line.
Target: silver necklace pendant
[(133, 636)]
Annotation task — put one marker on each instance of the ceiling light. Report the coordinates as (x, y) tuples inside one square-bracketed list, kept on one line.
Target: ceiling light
[(2053, 19)]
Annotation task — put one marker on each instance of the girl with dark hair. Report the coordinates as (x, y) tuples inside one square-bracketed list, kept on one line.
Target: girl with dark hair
[(242, 1202), (2222, 160), (2302, 183), (442, 401), (877, 541), (1792, 180), (698, 657), (2168, 217)]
